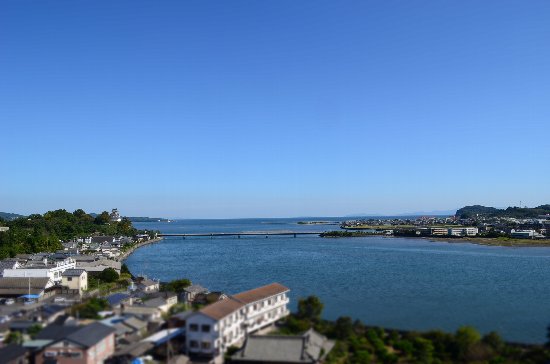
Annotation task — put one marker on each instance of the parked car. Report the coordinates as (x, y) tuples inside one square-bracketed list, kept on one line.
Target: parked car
[(29, 302), (9, 301), (4, 319), (59, 300)]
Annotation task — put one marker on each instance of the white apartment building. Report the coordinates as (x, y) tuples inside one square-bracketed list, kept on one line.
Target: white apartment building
[(42, 269), (222, 324), (463, 231)]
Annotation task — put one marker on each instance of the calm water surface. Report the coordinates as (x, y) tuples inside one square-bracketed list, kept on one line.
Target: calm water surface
[(391, 282)]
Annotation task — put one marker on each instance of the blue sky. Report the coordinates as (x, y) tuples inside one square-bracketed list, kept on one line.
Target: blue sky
[(217, 109)]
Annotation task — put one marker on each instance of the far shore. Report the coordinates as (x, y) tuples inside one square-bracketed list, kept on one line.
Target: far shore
[(506, 242)]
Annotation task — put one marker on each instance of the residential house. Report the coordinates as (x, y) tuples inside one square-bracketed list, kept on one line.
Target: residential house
[(310, 347), (148, 285), (94, 267), (103, 239), (118, 300), (8, 264), (211, 330), (93, 343), (14, 354), (142, 312), (163, 301), (189, 293), (75, 280)]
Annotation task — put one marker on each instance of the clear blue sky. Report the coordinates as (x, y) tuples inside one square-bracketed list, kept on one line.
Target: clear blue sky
[(273, 108)]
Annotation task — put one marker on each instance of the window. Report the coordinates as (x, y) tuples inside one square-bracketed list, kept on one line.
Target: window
[(194, 327), (205, 328), (205, 345), (69, 278), (194, 344)]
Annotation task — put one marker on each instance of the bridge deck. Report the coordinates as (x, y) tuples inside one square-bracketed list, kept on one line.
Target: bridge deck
[(266, 233)]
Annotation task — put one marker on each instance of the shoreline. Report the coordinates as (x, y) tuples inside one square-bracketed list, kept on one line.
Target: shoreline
[(127, 253), (510, 243)]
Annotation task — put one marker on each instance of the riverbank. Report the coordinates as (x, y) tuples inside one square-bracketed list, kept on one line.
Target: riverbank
[(508, 242), (127, 253)]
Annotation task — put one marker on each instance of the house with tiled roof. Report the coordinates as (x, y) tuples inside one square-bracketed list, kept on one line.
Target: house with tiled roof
[(225, 323), (308, 348), (93, 343)]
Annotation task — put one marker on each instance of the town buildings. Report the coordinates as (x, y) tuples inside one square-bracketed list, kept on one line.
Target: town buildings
[(75, 280), (41, 267)]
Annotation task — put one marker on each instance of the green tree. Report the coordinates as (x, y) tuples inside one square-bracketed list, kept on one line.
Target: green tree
[(466, 337), (177, 285), (14, 337), (124, 269), (102, 218), (343, 328), (310, 308), (34, 330), (91, 308), (108, 275)]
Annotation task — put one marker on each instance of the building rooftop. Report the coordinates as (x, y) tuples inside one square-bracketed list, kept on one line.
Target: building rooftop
[(116, 298), (91, 334), (307, 348), (220, 309), (20, 285), (195, 288), (56, 332), (73, 273), (12, 352), (261, 293)]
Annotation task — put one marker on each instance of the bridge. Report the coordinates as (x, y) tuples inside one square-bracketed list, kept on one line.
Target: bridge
[(252, 233)]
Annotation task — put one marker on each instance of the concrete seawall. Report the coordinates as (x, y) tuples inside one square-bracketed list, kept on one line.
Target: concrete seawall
[(126, 254)]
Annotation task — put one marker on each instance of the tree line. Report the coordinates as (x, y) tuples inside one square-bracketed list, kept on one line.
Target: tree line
[(44, 233)]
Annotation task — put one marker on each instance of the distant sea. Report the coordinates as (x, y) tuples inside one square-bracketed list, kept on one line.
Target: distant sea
[(400, 283)]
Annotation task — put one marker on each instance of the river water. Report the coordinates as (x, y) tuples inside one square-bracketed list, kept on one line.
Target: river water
[(401, 283)]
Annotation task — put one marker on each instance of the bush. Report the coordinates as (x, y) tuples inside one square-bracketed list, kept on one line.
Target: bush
[(177, 285), (108, 275)]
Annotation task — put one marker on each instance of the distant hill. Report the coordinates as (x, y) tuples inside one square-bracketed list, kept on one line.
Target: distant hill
[(516, 212), (9, 216)]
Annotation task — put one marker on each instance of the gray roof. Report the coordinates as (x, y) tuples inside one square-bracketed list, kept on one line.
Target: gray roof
[(135, 323), (117, 298), (101, 239), (20, 285), (306, 348), (91, 334), (195, 288), (73, 272), (55, 332), (6, 264), (12, 352), (155, 302), (148, 282)]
